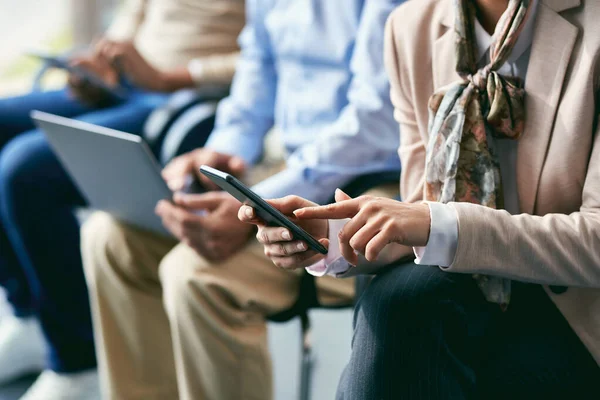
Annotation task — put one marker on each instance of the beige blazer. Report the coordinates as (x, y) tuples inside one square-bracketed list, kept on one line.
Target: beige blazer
[(556, 241)]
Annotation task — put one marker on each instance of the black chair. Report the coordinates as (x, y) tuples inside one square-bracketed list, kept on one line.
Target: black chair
[(308, 299), (183, 123)]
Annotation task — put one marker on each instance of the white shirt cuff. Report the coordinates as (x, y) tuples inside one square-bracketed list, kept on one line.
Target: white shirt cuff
[(333, 264), (443, 237), (196, 69)]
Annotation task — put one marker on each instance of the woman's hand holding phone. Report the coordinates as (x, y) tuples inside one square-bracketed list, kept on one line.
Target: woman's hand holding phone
[(279, 244)]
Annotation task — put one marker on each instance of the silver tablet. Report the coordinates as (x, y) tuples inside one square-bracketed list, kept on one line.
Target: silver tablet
[(115, 171)]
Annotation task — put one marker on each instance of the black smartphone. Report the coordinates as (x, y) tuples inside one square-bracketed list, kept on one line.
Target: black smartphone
[(264, 210)]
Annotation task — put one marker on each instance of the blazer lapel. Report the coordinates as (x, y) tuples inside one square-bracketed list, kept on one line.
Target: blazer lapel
[(444, 57), (554, 38)]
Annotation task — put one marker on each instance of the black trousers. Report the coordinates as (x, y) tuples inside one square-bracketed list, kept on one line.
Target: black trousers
[(421, 333)]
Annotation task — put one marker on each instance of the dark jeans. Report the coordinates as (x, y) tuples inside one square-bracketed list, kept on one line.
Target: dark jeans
[(421, 333), (40, 262)]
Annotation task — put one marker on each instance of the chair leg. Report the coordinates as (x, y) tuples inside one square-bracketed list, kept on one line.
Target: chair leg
[(307, 360)]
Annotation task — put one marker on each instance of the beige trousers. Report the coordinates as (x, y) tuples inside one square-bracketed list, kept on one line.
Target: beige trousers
[(171, 325)]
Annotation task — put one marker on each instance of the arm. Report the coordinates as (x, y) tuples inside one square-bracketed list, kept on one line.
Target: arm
[(363, 139), (215, 70), (554, 249), (127, 21), (557, 249), (244, 118)]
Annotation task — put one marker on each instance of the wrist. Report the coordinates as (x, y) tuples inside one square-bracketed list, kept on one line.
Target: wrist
[(171, 81)]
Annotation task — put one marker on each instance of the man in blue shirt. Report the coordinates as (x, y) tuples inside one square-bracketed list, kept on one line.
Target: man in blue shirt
[(188, 319)]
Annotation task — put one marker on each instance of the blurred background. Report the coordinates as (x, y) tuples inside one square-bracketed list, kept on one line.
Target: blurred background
[(51, 25), (61, 26)]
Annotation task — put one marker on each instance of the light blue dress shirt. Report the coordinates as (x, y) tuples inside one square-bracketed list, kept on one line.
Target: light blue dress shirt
[(313, 68)]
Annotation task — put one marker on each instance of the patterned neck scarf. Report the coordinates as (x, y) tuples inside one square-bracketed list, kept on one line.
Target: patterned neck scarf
[(464, 117)]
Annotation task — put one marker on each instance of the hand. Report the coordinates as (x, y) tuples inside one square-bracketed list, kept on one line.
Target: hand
[(375, 223), (127, 60), (177, 171), (84, 90), (216, 233), (280, 247)]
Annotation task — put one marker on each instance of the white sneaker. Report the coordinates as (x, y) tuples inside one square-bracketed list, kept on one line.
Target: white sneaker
[(22, 347), (75, 386)]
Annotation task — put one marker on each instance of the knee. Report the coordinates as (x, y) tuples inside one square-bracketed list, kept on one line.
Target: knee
[(101, 236), (182, 279), (409, 290)]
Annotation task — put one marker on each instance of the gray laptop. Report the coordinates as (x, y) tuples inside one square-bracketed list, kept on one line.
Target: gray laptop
[(115, 171)]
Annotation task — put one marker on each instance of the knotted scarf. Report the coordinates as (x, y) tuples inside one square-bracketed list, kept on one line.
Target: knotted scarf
[(467, 116)]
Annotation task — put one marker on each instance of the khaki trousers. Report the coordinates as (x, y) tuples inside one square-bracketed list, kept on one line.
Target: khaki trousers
[(171, 325)]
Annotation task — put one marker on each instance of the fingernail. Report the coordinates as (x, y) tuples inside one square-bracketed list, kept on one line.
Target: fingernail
[(249, 212), (301, 246), (286, 235)]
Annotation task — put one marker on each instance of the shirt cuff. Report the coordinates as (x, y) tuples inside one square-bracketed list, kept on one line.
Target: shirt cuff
[(443, 237), (333, 264), (196, 70), (217, 69)]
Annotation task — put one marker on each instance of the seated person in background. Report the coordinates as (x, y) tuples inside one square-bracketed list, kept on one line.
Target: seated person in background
[(159, 46), (503, 298), (186, 318)]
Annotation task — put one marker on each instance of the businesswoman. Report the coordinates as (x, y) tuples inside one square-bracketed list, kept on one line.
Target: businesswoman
[(497, 102)]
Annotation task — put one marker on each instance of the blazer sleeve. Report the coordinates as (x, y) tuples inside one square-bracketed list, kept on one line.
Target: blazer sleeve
[(554, 249)]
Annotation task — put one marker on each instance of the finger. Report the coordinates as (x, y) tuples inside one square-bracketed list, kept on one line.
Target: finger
[(78, 62), (347, 250), (184, 220), (164, 211), (287, 205), (162, 208), (341, 210), (285, 249), (236, 165), (296, 261), (376, 246), (102, 47), (178, 167), (204, 201), (363, 236), (248, 215), (114, 55), (351, 227), (268, 235), (176, 184), (206, 182), (340, 195), (74, 80)]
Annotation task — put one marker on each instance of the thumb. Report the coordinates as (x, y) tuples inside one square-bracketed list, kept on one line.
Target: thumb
[(236, 165), (340, 195), (324, 242)]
